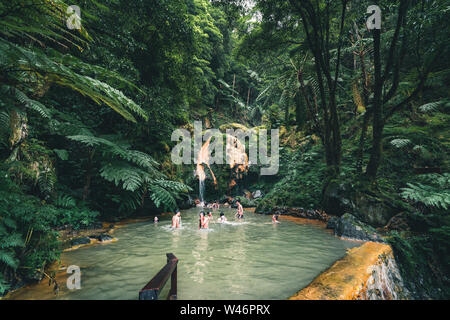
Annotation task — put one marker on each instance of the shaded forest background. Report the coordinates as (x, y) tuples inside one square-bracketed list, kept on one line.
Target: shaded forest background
[(86, 117)]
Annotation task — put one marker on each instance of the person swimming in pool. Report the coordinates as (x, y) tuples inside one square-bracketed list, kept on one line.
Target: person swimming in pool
[(176, 219), (240, 210), (275, 218), (222, 218)]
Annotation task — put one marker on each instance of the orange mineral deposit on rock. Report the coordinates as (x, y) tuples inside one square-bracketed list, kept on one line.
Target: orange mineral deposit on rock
[(368, 272)]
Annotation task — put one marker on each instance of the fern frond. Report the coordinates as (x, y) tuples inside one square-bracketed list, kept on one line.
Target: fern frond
[(65, 201), (8, 259), (11, 241), (400, 143), (430, 107)]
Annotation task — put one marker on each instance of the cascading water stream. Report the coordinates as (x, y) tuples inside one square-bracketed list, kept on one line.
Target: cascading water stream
[(201, 189), (203, 158), (236, 157)]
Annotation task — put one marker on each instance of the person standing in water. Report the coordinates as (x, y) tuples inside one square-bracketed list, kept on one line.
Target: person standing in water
[(222, 218), (240, 210), (210, 216), (206, 219), (156, 220), (176, 220), (201, 219)]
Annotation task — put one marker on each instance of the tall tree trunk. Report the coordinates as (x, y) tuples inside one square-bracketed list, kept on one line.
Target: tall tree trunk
[(378, 117), (87, 183), (362, 140), (248, 96), (233, 105)]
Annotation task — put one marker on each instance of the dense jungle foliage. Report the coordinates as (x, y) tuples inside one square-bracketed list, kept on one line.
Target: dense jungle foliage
[(86, 116)]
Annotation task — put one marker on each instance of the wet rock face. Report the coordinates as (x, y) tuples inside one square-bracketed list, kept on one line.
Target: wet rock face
[(373, 210), (384, 282), (80, 241), (337, 199), (349, 226), (340, 198), (332, 223), (102, 237)]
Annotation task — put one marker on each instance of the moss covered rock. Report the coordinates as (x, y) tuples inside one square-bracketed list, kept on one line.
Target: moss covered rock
[(373, 208), (348, 226), (337, 198)]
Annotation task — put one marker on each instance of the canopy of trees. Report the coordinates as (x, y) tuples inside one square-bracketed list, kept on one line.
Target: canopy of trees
[(86, 114)]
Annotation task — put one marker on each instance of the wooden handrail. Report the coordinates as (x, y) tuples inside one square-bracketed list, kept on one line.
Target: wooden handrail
[(155, 286)]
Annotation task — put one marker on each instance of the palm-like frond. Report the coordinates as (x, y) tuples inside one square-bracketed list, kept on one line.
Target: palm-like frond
[(434, 191), (400, 143), (431, 106), (134, 171)]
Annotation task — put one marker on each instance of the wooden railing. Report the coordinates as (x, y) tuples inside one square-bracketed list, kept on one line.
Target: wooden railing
[(152, 290)]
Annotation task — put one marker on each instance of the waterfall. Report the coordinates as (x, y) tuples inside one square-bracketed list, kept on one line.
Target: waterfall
[(203, 158), (236, 157), (201, 189)]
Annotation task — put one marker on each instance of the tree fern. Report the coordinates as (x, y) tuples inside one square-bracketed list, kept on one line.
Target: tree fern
[(23, 99), (46, 182), (430, 107), (160, 196), (133, 171), (435, 193), (62, 154), (8, 259), (4, 286), (11, 241), (128, 177), (65, 201), (400, 143), (22, 64)]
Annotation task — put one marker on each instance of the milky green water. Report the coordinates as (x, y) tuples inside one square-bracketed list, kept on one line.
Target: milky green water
[(252, 259)]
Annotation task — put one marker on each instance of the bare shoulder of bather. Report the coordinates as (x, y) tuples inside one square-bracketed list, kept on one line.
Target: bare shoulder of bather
[(174, 221)]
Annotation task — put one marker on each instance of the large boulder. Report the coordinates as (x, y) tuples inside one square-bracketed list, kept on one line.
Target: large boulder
[(348, 226), (102, 237), (332, 222), (374, 210), (337, 198), (80, 241), (370, 208)]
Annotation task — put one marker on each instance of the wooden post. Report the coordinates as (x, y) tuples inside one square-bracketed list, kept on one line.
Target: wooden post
[(173, 279), (173, 286)]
